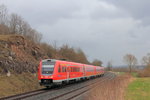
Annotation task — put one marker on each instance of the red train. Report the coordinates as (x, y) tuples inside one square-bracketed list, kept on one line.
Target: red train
[(53, 72)]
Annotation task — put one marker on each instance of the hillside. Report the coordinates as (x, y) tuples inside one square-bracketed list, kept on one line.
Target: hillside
[(19, 59), (18, 54)]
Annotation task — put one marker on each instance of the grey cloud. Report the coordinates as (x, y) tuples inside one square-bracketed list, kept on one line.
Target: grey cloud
[(136, 8), (43, 12), (104, 29)]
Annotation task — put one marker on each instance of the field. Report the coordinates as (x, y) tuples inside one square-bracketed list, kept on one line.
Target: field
[(139, 89)]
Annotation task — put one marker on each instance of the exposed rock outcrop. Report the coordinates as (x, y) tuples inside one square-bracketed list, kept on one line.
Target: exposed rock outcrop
[(18, 54)]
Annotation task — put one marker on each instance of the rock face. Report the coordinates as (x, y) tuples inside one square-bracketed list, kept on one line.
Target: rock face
[(18, 54)]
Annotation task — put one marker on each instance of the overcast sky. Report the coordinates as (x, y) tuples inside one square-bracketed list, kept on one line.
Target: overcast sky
[(103, 29)]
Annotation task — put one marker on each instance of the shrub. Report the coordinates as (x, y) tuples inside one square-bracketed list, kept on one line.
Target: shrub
[(145, 72)]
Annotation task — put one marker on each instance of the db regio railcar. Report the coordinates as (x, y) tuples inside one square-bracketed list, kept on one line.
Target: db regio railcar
[(55, 72)]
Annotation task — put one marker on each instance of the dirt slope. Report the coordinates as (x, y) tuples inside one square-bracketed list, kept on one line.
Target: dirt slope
[(18, 54)]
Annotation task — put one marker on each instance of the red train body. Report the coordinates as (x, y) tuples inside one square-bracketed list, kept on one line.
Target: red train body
[(51, 72)]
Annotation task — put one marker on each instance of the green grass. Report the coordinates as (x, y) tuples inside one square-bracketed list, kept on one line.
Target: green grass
[(139, 89)]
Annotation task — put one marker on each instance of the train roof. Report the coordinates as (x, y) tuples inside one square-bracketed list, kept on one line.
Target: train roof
[(54, 60)]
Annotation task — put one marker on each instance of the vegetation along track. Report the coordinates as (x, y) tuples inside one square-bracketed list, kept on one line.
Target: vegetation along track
[(68, 94)]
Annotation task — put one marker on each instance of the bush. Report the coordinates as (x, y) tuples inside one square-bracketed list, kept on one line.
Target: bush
[(145, 72)]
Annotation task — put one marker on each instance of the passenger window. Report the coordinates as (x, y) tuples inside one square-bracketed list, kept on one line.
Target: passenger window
[(65, 69), (59, 69), (62, 69)]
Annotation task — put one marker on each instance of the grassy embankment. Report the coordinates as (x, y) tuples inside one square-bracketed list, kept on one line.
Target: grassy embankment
[(139, 89), (110, 90), (16, 84)]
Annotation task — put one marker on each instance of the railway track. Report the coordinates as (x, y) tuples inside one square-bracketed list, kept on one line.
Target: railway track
[(77, 92), (54, 94)]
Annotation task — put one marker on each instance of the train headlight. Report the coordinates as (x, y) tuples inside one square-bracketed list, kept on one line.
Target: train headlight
[(42, 77), (51, 77)]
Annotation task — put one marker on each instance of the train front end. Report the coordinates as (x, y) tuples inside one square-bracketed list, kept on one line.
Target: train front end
[(46, 72)]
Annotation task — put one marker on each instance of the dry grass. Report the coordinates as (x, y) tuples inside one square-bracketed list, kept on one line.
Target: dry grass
[(110, 90), (4, 37), (16, 84)]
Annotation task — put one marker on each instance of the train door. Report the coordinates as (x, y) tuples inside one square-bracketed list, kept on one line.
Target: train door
[(83, 71), (68, 72), (60, 74)]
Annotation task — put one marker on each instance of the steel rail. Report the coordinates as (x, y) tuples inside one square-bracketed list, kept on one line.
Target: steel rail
[(40, 91), (83, 87), (82, 92)]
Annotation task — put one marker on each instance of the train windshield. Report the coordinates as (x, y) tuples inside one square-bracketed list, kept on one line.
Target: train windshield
[(48, 67)]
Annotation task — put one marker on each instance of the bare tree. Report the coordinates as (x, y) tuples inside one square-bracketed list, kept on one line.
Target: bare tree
[(15, 24), (3, 20), (130, 60), (109, 65), (20, 25), (54, 44), (97, 62), (146, 60), (34, 35), (4, 29), (81, 56), (38, 37), (3, 14), (26, 28), (49, 50)]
